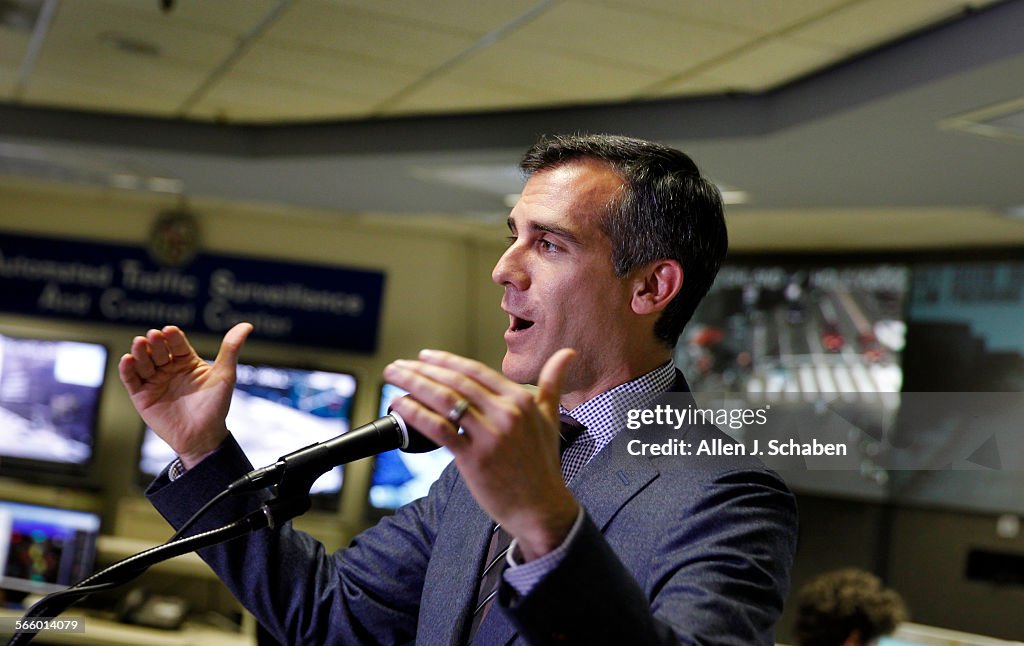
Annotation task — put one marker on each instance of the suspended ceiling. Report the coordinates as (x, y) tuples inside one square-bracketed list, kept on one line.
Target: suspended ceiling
[(828, 107)]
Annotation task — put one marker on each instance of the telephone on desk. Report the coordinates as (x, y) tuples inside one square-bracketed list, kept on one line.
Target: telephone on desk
[(142, 608)]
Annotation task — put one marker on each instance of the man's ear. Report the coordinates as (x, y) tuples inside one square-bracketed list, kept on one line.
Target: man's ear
[(656, 285)]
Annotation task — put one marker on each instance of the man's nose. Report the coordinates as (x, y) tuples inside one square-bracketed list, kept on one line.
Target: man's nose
[(509, 268)]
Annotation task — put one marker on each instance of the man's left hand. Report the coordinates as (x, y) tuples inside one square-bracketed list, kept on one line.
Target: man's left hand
[(507, 451)]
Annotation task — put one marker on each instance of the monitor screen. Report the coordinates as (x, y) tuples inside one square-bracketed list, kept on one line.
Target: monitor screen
[(913, 634), (49, 400), (274, 411), (964, 368), (398, 477), (819, 344), (44, 549), (791, 331)]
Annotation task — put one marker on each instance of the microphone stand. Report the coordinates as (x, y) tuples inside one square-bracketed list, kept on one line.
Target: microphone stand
[(291, 499)]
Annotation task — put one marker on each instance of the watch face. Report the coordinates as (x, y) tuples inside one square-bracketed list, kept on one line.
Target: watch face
[(175, 238)]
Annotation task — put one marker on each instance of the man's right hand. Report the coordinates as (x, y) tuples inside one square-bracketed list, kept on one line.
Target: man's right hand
[(178, 394)]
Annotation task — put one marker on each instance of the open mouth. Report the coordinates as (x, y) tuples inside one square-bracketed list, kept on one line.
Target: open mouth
[(517, 324)]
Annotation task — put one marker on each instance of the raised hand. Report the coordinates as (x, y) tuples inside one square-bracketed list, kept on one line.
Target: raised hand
[(178, 394), (508, 452)]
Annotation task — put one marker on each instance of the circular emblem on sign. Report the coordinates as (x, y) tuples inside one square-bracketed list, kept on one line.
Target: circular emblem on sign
[(174, 239)]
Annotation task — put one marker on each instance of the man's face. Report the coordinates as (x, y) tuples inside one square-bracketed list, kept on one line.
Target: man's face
[(560, 287)]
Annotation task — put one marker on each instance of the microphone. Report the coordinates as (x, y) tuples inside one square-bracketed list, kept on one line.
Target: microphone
[(387, 433)]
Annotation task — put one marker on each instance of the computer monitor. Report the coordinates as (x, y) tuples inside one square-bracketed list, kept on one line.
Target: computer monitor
[(814, 342), (45, 549), (49, 400), (274, 411), (398, 477), (781, 329), (913, 634), (964, 370)]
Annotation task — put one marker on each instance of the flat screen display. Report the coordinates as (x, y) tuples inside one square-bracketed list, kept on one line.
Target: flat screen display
[(49, 399), (964, 369), (817, 346), (793, 332), (398, 477), (45, 549), (274, 411), (911, 634)]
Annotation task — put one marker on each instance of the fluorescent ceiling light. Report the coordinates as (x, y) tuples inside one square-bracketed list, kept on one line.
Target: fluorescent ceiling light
[(733, 196), (1016, 212)]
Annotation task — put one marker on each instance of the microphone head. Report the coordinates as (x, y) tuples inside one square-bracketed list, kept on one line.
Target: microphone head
[(419, 443), (412, 440)]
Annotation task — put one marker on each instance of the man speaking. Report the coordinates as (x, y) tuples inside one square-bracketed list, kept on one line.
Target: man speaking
[(545, 529)]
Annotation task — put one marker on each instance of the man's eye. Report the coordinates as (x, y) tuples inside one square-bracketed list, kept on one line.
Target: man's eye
[(547, 245)]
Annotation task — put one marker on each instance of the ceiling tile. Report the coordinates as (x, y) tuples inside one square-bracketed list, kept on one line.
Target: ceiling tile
[(243, 98), (469, 16), (229, 16), (8, 81), (109, 67), (756, 16), (443, 95), (868, 23), (368, 36), (78, 92), (562, 77), (260, 113), (626, 37), (97, 48), (346, 56), (771, 63), (695, 85), (13, 45), (332, 71), (89, 24)]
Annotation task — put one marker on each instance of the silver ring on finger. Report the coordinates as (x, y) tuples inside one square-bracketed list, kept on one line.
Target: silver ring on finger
[(458, 410)]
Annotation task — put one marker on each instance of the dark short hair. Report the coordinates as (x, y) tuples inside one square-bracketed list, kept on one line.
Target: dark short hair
[(836, 603), (666, 210)]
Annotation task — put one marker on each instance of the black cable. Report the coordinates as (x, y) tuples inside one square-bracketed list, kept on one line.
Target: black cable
[(199, 514)]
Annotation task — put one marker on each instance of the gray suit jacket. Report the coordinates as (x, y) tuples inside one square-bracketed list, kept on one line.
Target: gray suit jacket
[(673, 550)]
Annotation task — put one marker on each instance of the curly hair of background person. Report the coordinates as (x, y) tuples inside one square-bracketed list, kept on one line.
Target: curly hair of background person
[(847, 607)]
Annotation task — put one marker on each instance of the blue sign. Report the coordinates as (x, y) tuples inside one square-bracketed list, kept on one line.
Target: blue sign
[(296, 303)]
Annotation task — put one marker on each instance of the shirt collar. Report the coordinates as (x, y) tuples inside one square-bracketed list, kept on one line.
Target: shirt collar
[(598, 413)]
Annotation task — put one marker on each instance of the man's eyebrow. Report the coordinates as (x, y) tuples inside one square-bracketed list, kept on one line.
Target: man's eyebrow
[(561, 232)]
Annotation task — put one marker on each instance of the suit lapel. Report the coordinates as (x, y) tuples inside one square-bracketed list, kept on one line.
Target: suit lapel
[(609, 481), (496, 629), (614, 476), (453, 574)]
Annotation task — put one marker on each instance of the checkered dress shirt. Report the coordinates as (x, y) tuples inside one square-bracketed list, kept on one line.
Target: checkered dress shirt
[(601, 417)]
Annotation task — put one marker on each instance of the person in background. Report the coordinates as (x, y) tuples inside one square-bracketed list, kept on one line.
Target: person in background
[(847, 607)]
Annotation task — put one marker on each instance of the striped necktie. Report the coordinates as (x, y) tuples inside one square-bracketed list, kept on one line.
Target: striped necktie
[(494, 564)]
